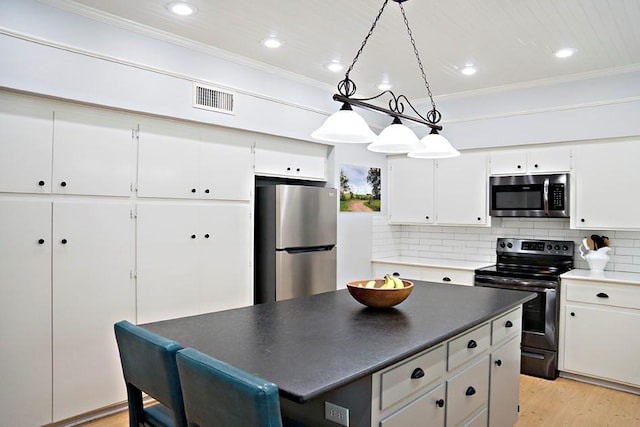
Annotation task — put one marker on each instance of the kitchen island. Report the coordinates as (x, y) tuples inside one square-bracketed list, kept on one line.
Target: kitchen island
[(329, 348)]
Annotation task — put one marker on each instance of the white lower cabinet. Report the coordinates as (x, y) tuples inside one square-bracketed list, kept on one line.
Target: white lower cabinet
[(201, 263), (450, 275), (25, 312), (599, 336), (92, 289), (471, 380)]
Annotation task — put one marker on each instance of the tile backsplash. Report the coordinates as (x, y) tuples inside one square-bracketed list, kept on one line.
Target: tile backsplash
[(479, 244)]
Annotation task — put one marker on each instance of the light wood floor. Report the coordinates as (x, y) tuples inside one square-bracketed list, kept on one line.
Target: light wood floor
[(562, 402)]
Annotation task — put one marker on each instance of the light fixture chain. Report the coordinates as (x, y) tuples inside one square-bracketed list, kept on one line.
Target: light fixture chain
[(364, 42), (415, 51)]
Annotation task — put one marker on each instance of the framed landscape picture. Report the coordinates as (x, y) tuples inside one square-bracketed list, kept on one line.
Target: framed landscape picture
[(359, 189)]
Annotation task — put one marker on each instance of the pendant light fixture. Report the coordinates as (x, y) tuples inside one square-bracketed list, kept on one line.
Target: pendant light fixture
[(348, 126)]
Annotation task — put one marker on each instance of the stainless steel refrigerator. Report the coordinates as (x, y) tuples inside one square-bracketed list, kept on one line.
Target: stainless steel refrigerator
[(295, 241)]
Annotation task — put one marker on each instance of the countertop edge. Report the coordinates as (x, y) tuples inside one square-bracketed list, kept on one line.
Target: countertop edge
[(433, 263)]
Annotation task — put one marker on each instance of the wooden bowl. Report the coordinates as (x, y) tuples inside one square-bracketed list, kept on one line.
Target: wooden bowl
[(376, 297)]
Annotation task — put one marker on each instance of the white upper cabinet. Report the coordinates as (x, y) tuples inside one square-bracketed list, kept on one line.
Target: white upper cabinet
[(66, 151), (606, 179), (411, 191), (461, 190), (185, 162), (287, 159), (530, 160), (443, 192)]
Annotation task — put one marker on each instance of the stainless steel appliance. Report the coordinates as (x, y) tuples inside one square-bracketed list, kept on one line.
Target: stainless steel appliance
[(530, 196), (534, 266), (295, 241)]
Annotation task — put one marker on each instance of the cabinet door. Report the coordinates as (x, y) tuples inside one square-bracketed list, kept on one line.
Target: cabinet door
[(167, 254), (226, 272), (272, 162), (411, 194), (508, 162), (602, 342), (168, 163), (461, 195), (505, 384), (309, 167), (549, 160), (606, 184), (428, 410), (467, 392), (92, 289), (25, 313), (93, 153), (26, 132), (226, 171)]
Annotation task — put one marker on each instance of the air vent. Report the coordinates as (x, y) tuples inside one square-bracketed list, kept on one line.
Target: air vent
[(212, 98)]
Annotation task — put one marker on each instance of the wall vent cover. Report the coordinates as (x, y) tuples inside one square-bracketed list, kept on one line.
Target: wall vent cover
[(212, 98)]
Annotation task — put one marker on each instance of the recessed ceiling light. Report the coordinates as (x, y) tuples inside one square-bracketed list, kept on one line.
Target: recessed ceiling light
[(272, 43), (181, 8), (468, 70), (335, 66), (565, 52)]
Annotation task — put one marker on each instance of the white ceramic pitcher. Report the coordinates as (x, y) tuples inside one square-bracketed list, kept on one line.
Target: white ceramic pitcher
[(597, 259)]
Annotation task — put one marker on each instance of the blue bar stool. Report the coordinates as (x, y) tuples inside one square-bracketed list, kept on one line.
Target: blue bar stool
[(149, 365)]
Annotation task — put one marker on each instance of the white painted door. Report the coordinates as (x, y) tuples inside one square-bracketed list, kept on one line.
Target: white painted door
[(93, 153), (26, 132), (411, 191), (226, 171), (92, 289), (461, 190), (25, 312), (168, 163), (169, 238), (225, 259)]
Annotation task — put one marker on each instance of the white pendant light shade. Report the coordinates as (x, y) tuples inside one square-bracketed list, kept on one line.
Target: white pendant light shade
[(345, 125), (434, 146), (395, 139)]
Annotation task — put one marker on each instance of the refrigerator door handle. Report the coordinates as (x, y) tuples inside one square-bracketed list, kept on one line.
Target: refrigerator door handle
[(312, 249)]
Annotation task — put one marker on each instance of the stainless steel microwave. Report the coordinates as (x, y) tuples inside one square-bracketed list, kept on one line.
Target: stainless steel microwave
[(530, 196)]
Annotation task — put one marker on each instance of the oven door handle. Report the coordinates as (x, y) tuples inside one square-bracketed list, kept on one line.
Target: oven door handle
[(492, 283)]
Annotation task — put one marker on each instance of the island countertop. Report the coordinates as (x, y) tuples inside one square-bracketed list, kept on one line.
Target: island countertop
[(311, 345)]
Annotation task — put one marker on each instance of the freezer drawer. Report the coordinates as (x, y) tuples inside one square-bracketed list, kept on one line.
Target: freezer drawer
[(301, 273)]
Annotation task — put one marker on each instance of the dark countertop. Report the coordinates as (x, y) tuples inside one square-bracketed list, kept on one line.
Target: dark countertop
[(311, 345)]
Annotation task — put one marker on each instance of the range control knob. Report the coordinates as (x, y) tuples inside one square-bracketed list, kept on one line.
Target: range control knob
[(509, 245), (549, 247), (557, 247), (565, 247)]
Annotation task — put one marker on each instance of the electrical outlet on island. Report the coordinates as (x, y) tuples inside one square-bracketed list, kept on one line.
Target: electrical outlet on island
[(337, 414)]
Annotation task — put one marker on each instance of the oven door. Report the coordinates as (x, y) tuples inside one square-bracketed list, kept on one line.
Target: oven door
[(540, 316)]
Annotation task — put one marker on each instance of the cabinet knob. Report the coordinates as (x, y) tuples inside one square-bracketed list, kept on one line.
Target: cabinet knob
[(581, 219), (417, 373), (519, 167), (472, 344), (440, 403), (41, 183), (470, 391), (63, 184), (63, 241), (206, 236), (40, 241), (479, 219), (602, 295), (288, 169), (573, 314), (508, 324), (446, 279), (193, 190), (498, 362), (297, 169), (193, 236), (395, 274), (535, 166), (426, 217), (207, 191)]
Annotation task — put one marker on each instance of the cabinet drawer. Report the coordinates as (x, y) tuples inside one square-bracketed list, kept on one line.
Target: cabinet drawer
[(404, 271), (397, 383), (427, 410), (605, 294), (467, 391), (468, 345), (443, 275), (506, 326)]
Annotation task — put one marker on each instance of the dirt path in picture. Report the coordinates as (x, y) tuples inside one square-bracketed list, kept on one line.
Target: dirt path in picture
[(358, 206)]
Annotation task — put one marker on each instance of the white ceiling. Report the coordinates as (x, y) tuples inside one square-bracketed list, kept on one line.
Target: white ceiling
[(511, 42)]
